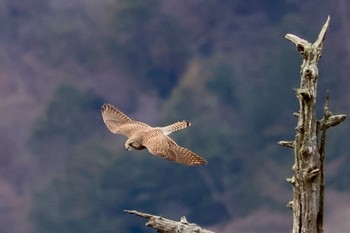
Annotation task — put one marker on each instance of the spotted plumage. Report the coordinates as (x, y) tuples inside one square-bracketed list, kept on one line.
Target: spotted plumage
[(155, 139)]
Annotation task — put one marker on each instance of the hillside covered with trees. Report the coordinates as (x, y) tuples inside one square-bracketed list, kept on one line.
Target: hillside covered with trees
[(223, 65)]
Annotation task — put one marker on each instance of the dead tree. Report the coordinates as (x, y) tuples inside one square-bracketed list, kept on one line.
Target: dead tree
[(310, 140)]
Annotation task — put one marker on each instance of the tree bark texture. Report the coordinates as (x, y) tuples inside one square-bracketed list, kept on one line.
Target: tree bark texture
[(163, 225), (310, 139)]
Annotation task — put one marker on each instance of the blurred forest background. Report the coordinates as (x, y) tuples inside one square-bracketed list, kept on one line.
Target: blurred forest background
[(223, 65)]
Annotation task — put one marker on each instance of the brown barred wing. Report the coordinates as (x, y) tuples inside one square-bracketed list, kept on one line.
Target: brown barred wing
[(165, 147), (119, 123)]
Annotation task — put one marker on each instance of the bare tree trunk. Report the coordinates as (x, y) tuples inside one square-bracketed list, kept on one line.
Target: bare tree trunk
[(310, 139)]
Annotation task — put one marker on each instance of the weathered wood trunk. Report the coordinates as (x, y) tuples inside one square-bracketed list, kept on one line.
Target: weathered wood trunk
[(164, 225), (309, 143)]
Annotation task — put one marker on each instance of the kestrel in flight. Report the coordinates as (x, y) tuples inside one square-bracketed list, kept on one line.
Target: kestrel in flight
[(155, 139)]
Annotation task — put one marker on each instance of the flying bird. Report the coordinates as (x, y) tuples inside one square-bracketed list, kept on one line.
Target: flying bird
[(140, 136)]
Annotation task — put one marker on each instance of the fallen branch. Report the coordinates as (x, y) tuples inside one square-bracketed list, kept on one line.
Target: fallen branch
[(163, 225)]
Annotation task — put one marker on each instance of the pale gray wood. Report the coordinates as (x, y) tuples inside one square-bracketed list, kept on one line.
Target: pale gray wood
[(310, 140), (164, 225)]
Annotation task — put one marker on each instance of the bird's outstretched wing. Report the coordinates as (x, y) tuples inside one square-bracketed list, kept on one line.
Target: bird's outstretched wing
[(163, 146), (119, 123)]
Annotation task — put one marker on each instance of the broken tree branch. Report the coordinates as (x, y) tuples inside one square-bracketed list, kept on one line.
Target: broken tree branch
[(164, 225)]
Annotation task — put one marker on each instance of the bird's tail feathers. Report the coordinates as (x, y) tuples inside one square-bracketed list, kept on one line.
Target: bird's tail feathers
[(175, 127)]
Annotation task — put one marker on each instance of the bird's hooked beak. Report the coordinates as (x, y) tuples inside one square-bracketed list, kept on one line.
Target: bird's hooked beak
[(128, 147)]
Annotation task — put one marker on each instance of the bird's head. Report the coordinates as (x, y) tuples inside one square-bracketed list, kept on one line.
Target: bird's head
[(133, 144)]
